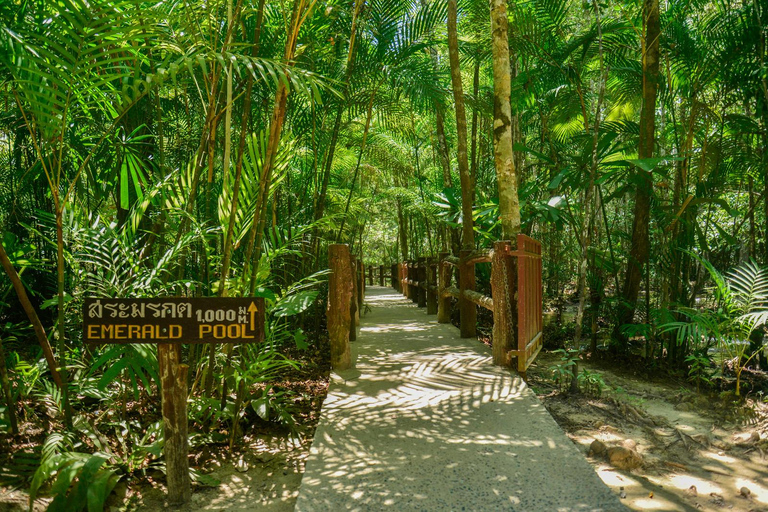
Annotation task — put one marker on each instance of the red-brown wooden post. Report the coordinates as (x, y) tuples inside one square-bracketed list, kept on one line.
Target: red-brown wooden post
[(341, 302), (173, 384), (353, 303), (444, 281), (360, 288), (431, 281), (401, 277), (413, 277), (393, 272), (381, 275), (467, 308), (504, 303), (421, 275)]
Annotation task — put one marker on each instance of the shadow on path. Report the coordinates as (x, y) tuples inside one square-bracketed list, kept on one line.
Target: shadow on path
[(424, 421)]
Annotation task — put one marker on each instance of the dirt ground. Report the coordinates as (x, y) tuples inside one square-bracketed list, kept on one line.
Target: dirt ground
[(698, 452)]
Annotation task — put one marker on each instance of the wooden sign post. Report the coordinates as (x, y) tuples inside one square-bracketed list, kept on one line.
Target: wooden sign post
[(169, 322)]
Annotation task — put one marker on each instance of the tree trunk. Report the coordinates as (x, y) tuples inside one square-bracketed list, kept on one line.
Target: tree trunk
[(21, 292), (473, 153), (320, 202), (61, 345), (509, 205), (640, 246), (253, 252), (468, 234), (590, 209)]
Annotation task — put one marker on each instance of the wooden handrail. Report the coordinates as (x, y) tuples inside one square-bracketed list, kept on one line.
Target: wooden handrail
[(479, 299), (515, 299), (452, 291), (479, 256), (452, 260)]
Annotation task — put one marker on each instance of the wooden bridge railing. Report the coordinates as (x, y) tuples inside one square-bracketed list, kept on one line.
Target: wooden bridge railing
[(516, 295)]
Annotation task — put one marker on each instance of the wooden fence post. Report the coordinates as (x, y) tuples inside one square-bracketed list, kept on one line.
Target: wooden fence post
[(421, 275), (444, 280), (360, 289), (340, 305), (403, 277), (467, 308), (431, 281), (393, 276), (173, 383), (413, 289), (355, 292), (503, 290), (381, 275), (370, 275)]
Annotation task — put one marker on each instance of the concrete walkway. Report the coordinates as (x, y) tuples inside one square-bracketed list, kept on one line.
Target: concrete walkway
[(425, 422)]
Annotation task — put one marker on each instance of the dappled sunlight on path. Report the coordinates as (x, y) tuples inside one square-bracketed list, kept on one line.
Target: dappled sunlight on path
[(424, 421)]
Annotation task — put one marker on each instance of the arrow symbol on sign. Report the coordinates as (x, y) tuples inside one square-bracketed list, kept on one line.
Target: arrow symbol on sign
[(252, 309)]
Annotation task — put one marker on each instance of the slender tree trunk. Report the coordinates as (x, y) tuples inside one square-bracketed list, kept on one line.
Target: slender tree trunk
[(275, 131), (61, 332), (590, 210), (473, 153), (359, 160), (228, 248), (6, 388), (320, 203), (752, 236), (225, 173), (509, 205), (29, 309), (468, 234), (640, 246)]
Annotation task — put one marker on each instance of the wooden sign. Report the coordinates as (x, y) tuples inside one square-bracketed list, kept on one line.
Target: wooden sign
[(174, 320), (168, 322)]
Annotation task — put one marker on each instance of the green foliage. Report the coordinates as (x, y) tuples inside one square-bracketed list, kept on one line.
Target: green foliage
[(275, 405), (742, 306), (699, 368), (591, 383), (81, 482), (134, 363), (562, 372)]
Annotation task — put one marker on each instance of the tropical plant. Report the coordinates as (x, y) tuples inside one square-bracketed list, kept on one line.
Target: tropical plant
[(741, 307)]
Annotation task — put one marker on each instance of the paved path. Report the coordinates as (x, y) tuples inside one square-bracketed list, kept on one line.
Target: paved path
[(425, 422)]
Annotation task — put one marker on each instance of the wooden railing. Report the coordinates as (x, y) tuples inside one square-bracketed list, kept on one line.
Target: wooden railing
[(515, 301)]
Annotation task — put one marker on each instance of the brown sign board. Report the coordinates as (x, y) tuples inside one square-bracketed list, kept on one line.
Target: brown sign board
[(174, 320)]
